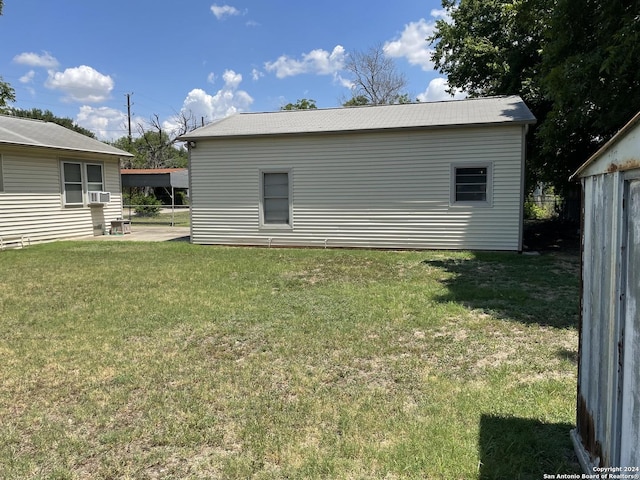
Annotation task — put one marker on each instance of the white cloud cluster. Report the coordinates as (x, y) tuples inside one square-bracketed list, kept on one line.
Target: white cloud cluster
[(227, 101), (223, 11), (45, 60), (412, 44), (437, 91), (81, 84), (320, 62), (107, 123)]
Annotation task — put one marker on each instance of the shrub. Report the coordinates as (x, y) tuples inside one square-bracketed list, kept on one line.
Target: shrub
[(145, 205)]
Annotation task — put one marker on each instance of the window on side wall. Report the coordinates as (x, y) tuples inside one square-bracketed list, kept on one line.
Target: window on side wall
[(94, 177), (275, 198), (79, 178), (471, 184)]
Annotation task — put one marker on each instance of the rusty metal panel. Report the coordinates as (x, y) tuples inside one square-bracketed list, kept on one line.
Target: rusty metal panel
[(599, 374), (630, 425)]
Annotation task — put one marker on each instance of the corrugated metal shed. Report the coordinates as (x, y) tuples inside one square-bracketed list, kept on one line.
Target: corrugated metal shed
[(608, 405), (461, 113)]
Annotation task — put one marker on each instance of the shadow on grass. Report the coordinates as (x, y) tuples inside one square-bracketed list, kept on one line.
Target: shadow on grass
[(521, 448), (542, 290)]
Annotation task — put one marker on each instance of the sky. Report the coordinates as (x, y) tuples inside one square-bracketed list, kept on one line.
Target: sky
[(208, 59)]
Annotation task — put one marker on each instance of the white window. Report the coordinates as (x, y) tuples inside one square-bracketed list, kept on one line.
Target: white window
[(94, 177), (275, 209), (471, 184), (79, 178), (1, 176)]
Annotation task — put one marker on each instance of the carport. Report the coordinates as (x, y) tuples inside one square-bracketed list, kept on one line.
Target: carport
[(167, 178)]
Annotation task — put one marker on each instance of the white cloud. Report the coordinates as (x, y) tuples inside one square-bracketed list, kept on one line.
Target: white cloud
[(211, 78), (256, 74), (231, 79), (227, 101), (46, 60), (317, 61), (28, 77), (106, 123), (436, 92), (222, 11), (413, 45), (81, 84)]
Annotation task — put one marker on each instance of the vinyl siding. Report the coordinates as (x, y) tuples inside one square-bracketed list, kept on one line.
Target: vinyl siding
[(382, 190), (31, 204)]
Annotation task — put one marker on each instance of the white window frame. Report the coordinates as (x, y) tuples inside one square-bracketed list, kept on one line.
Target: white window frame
[(84, 180), (276, 226), (86, 170), (488, 201)]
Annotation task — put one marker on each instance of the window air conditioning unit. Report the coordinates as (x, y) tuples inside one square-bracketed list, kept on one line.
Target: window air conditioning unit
[(99, 197)]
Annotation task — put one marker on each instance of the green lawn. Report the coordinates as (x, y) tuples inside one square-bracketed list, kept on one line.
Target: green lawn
[(170, 360), (180, 218)]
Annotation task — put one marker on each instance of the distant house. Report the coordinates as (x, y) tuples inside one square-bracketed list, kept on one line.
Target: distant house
[(426, 175), (608, 413), (50, 179)]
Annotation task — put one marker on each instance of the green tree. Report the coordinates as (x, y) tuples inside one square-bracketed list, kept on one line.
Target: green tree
[(7, 94), (374, 77), (301, 104), (48, 116), (591, 76), (494, 47), (357, 101), (573, 62)]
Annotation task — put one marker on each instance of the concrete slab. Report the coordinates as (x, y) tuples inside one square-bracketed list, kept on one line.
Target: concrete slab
[(148, 233)]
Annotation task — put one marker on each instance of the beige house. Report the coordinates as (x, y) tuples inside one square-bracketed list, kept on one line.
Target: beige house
[(425, 175), (55, 183)]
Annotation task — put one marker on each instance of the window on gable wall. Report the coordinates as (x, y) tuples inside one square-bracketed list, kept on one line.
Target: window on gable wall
[(78, 178), (276, 199)]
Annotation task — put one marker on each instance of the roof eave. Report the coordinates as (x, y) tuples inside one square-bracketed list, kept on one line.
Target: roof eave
[(628, 126), (67, 149), (195, 138)]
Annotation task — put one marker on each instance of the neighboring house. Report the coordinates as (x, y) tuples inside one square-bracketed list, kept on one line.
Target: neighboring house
[(426, 175), (608, 407), (46, 175)]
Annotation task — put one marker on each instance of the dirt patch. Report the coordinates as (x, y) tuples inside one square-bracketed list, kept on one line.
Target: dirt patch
[(551, 235)]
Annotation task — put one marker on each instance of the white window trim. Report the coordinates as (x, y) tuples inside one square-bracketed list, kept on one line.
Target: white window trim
[(477, 203), (83, 179), (275, 226), (101, 165)]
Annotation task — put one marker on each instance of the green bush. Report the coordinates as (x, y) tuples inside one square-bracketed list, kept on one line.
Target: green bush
[(145, 205), (533, 211)]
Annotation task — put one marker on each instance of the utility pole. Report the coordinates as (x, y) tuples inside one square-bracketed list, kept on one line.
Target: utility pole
[(128, 95)]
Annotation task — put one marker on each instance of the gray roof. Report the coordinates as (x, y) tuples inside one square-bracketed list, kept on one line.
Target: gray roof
[(457, 113), (36, 133)]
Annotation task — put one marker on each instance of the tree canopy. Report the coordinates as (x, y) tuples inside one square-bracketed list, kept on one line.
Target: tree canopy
[(7, 94), (301, 104), (375, 78), (572, 62)]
